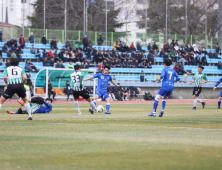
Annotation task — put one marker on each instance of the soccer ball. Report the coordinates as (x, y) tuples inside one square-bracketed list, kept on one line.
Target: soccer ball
[(100, 108)]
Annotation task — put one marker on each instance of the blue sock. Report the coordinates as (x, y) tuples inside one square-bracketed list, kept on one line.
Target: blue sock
[(94, 103), (163, 105), (219, 102), (16, 112), (107, 107), (155, 106)]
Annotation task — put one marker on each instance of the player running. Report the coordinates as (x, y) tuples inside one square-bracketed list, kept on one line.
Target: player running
[(77, 78), (37, 107), (15, 84), (101, 90), (198, 80), (168, 75), (220, 96)]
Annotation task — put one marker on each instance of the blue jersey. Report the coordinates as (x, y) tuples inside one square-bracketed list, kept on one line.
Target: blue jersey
[(103, 81), (168, 75), (218, 82), (45, 109)]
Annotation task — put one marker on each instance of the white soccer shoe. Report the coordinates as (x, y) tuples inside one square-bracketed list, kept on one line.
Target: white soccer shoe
[(95, 110), (79, 113)]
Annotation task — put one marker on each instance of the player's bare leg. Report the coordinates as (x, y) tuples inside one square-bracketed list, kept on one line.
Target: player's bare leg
[(77, 106), (107, 105), (27, 107), (2, 100)]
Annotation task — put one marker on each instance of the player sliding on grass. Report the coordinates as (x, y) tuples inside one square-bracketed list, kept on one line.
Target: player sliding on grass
[(167, 75), (198, 80), (220, 96), (77, 78), (37, 107), (101, 90), (15, 84)]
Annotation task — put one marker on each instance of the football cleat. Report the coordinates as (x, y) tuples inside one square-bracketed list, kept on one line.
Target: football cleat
[(203, 104), (30, 118), (107, 113), (10, 112), (91, 111), (79, 113), (152, 114), (194, 108), (161, 113), (218, 107), (21, 102)]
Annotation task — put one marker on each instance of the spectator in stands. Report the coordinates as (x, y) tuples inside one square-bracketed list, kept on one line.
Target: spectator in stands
[(119, 64), (22, 41), (113, 64), (62, 66), (218, 48), (31, 38), (166, 56), (144, 64), (176, 47), (110, 92), (77, 45), (143, 57), (4, 48), (51, 62), (68, 43), (18, 54), (85, 42), (44, 41), (70, 66), (45, 62), (216, 55), (101, 67), (162, 53), (149, 47), (125, 93), (155, 47), (88, 53), (13, 48), (211, 55), (50, 91), (115, 45), (9, 52), (142, 76), (204, 60), (171, 48), (139, 48), (196, 50), (56, 57), (68, 90), (100, 40), (44, 53), (121, 47), (172, 43), (155, 54), (151, 51), (94, 51), (177, 43), (219, 65), (149, 64), (132, 47), (66, 57), (8, 64), (176, 68), (53, 45), (32, 50), (34, 69), (96, 58), (84, 65), (114, 77), (192, 60), (0, 35), (150, 58), (13, 55), (181, 59), (100, 57), (173, 55), (125, 63), (181, 70), (61, 55), (165, 47), (198, 60), (27, 66), (10, 42), (72, 57), (58, 65), (50, 54)]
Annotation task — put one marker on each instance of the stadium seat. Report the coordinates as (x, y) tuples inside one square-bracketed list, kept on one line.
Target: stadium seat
[(58, 91), (39, 91)]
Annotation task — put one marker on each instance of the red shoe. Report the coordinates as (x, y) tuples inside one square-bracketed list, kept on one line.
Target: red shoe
[(21, 102), (10, 112)]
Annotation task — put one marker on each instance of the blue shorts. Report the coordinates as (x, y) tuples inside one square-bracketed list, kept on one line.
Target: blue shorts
[(102, 94), (165, 93), (220, 93)]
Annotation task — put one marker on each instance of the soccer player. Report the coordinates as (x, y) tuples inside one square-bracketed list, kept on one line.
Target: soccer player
[(198, 80), (167, 75), (220, 96), (101, 90), (77, 78), (37, 107), (15, 84)]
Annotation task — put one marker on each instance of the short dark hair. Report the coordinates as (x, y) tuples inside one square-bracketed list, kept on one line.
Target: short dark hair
[(49, 99), (201, 67), (14, 61), (77, 67), (106, 66), (67, 80), (168, 62)]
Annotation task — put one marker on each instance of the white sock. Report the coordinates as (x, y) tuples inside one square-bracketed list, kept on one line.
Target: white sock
[(0, 106), (113, 97), (27, 107), (94, 101), (110, 96), (77, 105), (92, 105), (199, 101), (123, 98), (194, 102), (126, 97)]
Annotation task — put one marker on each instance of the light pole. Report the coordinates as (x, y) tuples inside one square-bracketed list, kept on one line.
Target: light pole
[(84, 15), (166, 17), (146, 23), (65, 18), (44, 16), (86, 5), (23, 29), (2, 16), (106, 22), (206, 25), (186, 25), (126, 21)]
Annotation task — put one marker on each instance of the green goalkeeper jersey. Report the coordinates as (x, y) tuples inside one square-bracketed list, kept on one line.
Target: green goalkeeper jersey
[(77, 78), (199, 78)]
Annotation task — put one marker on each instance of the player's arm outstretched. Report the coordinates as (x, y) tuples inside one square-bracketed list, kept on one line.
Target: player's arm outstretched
[(217, 84), (114, 83), (90, 78), (67, 76)]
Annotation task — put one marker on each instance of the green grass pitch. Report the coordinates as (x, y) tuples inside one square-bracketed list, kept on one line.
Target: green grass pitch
[(125, 140)]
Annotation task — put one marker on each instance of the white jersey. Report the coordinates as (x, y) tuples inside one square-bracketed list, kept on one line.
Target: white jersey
[(14, 74)]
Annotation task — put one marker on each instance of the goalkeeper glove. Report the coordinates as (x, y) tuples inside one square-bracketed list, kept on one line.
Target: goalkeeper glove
[(60, 77)]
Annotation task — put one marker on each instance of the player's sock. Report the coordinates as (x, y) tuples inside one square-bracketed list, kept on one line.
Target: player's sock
[(77, 105), (219, 103), (194, 102), (27, 107), (92, 105), (110, 96), (107, 107), (199, 101), (155, 105), (163, 105), (16, 112), (113, 97), (126, 98), (0, 106), (94, 101), (122, 98)]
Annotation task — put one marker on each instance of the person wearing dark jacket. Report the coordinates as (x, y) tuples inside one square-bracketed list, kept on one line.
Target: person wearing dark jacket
[(198, 60), (155, 47), (144, 64), (18, 54), (211, 55), (22, 41), (94, 51), (125, 63), (50, 91), (216, 55), (149, 64), (62, 66), (150, 58), (85, 42), (204, 60), (68, 90), (96, 58), (58, 65), (8, 64), (139, 47), (68, 43), (4, 48), (1, 36), (31, 38), (45, 62), (100, 40), (149, 47), (113, 64), (217, 48), (88, 53), (61, 55), (44, 41), (53, 44), (9, 52), (162, 53), (219, 65), (136, 64)]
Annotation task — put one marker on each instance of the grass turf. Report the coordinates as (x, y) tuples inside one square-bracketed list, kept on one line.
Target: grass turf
[(125, 140)]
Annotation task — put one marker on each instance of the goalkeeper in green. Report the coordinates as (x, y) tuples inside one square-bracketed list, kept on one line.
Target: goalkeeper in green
[(77, 78)]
